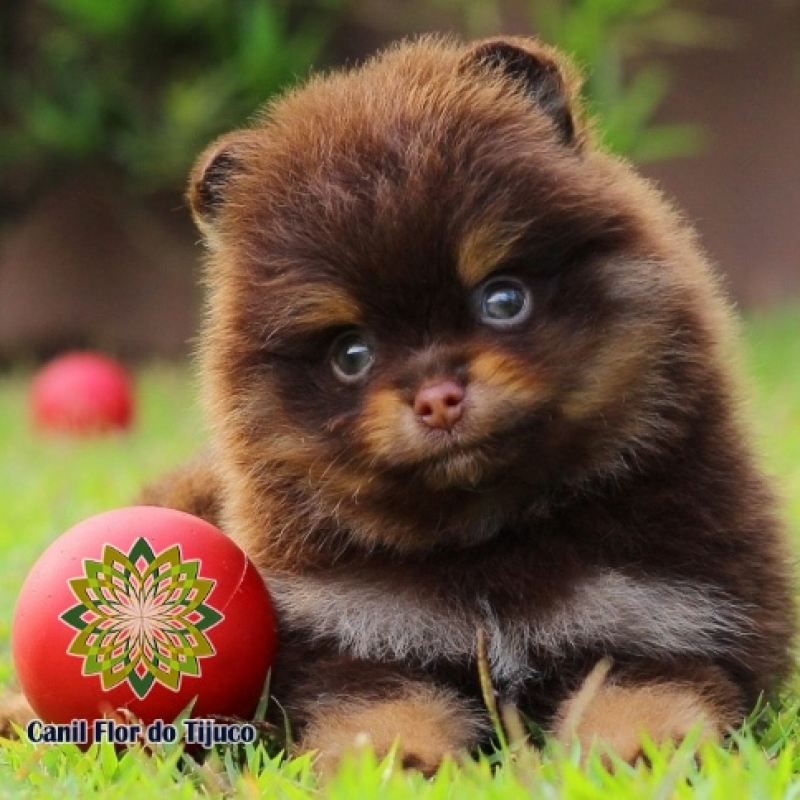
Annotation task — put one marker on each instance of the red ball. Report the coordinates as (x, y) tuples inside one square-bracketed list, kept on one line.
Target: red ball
[(82, 393), (143, 608)]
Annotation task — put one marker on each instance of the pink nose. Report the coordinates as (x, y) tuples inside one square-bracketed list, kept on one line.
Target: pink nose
[(440, 404)]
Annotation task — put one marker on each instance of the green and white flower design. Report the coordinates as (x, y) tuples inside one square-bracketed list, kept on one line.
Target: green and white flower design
[(141, 617)]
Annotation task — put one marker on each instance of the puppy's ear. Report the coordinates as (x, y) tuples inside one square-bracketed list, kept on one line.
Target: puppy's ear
[(211, 175), (551, 82)]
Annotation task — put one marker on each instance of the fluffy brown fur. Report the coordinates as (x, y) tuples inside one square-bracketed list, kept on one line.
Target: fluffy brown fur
[(574, 480)]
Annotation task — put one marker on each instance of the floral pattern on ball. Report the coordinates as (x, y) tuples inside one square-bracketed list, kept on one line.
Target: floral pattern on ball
[(141, 617)]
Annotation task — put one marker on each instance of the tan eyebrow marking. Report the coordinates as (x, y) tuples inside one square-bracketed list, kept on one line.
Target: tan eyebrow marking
[(484, 248), (319, 307), (316, 308)]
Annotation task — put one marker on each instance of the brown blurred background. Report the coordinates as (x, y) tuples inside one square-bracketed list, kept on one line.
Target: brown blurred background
[(96, 248), (743, 189)]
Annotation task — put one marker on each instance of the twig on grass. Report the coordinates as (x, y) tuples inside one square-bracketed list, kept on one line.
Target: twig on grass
[(487, 690)]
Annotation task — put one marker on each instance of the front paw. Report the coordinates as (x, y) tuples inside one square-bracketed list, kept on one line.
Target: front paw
[(14, 710), (615, 718), (427, 725)]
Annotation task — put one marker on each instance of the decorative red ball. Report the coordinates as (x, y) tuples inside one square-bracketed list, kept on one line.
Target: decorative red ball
[(143, 608), (82, 393)]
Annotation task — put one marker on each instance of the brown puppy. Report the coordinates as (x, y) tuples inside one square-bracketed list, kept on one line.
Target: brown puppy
[(467, 371)]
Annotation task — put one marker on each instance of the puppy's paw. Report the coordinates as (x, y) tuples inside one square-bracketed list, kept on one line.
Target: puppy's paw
[(14, 710), (428, 724), (615, 718)]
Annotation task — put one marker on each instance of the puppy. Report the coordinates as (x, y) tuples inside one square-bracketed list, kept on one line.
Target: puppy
[(467, 372)]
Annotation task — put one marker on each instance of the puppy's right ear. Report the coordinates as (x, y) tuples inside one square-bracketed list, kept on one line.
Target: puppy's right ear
[(211, 175)]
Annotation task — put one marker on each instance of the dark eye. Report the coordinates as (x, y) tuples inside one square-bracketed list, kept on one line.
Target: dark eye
[(504, 302), (351, 357)]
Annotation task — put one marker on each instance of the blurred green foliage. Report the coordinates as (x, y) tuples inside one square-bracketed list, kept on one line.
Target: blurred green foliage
[(614, 40), (142, 84), (618, 44)]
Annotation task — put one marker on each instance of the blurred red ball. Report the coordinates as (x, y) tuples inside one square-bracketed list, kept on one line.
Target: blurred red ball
[(143, 609), (82, 393)]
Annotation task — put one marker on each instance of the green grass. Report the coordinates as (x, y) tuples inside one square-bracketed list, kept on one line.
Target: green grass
[(46, 485)]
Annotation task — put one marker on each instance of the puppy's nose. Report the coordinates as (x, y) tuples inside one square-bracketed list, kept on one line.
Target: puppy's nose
[(440, 404)]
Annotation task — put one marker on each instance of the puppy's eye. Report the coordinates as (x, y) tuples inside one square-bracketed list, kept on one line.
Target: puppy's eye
[(351, 357), (504, 302)]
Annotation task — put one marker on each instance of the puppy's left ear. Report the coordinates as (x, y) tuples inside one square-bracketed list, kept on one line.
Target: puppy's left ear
[(540, 72)]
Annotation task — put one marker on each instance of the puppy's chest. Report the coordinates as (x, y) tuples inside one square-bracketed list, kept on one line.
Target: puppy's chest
[(375, 618)]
